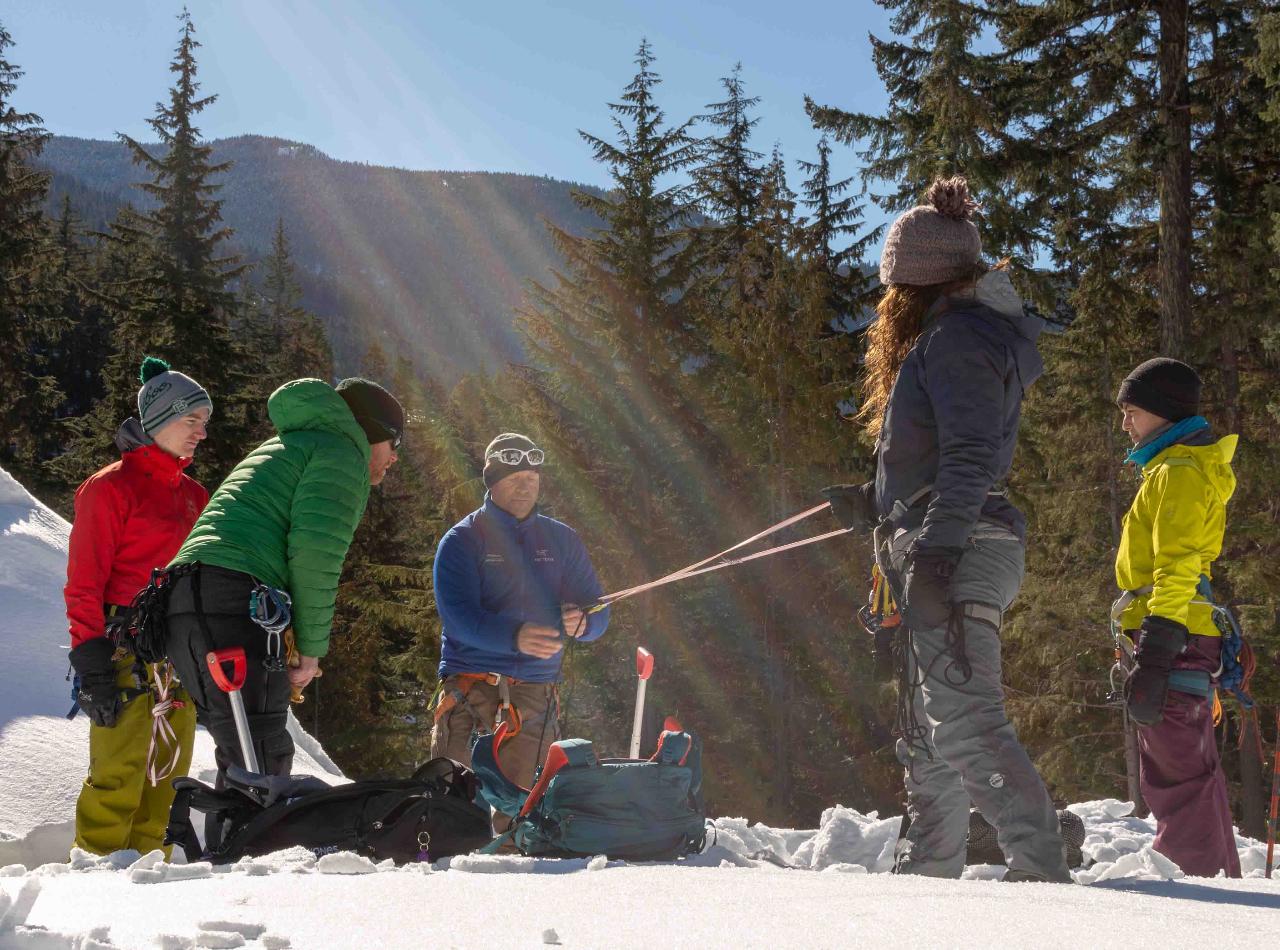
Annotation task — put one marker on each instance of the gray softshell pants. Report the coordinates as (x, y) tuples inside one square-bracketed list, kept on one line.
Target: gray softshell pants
[(973, 752)]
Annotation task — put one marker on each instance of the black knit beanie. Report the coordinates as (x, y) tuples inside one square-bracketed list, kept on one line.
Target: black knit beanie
[(379, 413), (495, 470), (1166, 387)]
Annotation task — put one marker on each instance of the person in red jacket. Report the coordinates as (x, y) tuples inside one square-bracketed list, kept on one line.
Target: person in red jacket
[(131, 517)]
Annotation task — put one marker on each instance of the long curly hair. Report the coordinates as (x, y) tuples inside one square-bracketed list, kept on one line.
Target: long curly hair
[(899, 321)]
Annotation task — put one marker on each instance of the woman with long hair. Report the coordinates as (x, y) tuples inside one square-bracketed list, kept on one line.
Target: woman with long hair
[(949, 357)]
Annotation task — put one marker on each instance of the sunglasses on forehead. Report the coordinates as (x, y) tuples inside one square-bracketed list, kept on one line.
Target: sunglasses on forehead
[(516, 456)]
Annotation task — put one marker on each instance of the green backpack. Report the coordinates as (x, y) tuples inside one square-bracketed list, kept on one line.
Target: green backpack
[(580, 806)]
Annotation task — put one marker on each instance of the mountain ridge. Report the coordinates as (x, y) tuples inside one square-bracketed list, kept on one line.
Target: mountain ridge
[(429, 263)]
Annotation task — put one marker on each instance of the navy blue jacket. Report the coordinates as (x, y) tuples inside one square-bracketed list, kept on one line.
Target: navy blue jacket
[(493, 574), (952, 418)]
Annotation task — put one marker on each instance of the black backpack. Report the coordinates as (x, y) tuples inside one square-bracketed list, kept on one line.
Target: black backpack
[(429, 816)]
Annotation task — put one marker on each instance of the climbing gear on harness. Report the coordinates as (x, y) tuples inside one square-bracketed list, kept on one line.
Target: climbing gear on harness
[(146, 632), (445, 700), (706, 565), (881, 619), (271, 609), (162, 734)]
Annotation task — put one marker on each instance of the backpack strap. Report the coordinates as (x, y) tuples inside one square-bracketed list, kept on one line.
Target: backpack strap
[(495, 787), (180, 831)]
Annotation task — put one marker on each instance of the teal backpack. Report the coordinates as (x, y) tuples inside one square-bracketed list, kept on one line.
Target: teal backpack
[(580, 806)]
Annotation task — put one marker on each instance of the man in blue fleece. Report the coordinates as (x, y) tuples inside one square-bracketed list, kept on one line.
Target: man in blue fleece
[(510, 586)]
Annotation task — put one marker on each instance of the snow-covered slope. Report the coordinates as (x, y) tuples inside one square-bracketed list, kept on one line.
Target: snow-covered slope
[(753, 886), (43, 757)]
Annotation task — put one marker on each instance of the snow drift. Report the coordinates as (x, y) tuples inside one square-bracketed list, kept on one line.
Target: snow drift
[(753, 886)]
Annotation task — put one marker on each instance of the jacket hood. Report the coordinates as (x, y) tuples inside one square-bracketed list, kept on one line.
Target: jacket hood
[(311, 404), (131, 436), (1213, 459), (997, 313)]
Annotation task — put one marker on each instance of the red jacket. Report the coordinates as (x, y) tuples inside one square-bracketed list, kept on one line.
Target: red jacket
[(131, 517)]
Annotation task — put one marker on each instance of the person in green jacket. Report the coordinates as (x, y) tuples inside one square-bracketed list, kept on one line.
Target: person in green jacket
[(280, 524)]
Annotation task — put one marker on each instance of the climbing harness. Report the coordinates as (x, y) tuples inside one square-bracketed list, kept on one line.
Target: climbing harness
[(714, 562)]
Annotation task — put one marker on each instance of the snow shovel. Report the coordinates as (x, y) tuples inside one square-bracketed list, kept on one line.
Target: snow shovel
[(239, 668), (644, 669)]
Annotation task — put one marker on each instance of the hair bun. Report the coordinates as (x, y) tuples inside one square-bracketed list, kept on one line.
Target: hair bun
[(152, 367), (950, 198)]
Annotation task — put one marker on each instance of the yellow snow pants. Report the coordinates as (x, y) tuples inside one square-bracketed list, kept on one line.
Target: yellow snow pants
[(118, 807)]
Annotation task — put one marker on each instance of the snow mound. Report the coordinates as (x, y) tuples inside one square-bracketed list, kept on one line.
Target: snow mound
[(43, 757)]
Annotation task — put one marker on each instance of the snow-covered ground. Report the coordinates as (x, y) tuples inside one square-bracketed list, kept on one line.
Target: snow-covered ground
[(753, 886)]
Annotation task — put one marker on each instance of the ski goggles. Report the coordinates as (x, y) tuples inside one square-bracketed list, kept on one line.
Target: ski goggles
[(517, 456)]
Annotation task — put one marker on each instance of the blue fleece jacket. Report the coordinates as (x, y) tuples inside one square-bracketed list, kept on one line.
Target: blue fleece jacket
[(494, 573)]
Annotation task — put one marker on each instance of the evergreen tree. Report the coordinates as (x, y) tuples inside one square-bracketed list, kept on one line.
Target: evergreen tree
[(24, 389), (185, 303)]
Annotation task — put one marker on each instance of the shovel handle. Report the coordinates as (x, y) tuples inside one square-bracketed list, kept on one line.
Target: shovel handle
[(239, 668)]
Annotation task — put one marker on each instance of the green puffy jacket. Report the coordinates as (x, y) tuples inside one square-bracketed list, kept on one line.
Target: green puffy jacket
[(288, 512)]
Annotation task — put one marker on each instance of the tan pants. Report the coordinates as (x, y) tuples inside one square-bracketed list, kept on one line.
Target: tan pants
[(478, 712)]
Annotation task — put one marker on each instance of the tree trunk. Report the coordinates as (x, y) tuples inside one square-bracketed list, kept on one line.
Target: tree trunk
[(1253, 796), (1132, 766), (1175, 180)]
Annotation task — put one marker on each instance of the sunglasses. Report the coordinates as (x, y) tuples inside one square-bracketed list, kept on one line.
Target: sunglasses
[(516, 456)]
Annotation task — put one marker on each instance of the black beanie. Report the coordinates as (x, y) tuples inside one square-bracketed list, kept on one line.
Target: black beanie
[(494, 470), (379, 413), (1166, 387)]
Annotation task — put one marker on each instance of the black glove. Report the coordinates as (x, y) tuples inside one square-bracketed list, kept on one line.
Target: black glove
[(1159, 641), (927, 589), (99, 696), (853, 505)]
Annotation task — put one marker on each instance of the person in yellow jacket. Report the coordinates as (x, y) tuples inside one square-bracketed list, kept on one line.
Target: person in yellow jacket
[(1172, 534)]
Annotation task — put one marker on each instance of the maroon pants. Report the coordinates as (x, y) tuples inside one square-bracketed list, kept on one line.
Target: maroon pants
[(1182, 778)]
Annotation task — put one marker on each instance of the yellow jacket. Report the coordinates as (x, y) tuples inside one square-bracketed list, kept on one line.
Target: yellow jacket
[(1173, 531)]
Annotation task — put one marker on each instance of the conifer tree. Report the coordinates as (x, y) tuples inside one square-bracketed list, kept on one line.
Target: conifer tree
[(23, 390), (185, 301)]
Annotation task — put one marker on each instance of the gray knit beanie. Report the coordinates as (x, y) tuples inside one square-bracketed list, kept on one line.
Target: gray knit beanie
[(936, 242), (166, 395)]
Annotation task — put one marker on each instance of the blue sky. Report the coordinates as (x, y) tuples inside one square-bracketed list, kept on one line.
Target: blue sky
[(443, 84)]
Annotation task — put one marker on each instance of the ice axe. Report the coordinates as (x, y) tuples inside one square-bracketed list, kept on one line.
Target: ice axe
[(231, 686), (644, 669)]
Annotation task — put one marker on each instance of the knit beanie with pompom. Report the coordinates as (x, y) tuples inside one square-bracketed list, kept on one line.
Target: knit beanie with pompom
[(166, 395), (936, 242)]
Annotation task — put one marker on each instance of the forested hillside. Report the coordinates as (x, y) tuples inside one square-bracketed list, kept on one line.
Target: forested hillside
[(437, 260), (689, 355)]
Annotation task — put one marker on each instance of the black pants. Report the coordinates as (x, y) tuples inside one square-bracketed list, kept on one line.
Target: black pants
[(209, 610)]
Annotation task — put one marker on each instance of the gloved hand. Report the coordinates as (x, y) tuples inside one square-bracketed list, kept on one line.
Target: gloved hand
[(927, 588), (853, 505), (99, 695), (1159, 641)]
